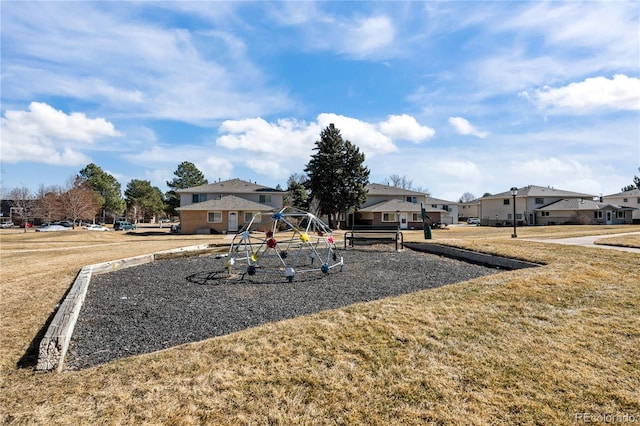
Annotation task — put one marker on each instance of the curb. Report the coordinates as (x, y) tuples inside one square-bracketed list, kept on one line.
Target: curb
[(55, 343), (472, 256)]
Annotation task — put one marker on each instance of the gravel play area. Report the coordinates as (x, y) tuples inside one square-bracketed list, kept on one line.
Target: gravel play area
[(171, 302)]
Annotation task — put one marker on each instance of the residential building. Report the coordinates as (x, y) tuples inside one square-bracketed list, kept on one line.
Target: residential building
[(497, 210), (225, 206), (387, 205), (628, 199), (468, 209), (583, 212)]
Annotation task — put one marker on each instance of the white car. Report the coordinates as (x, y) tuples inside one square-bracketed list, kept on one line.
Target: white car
[(52, 227), (6, 224), (95, 227), (473, 221)]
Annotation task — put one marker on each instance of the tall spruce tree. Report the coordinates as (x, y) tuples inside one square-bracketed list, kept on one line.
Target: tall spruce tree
[(106, 187), (337, 177), (143, 200), (187, 176), (297, 195)]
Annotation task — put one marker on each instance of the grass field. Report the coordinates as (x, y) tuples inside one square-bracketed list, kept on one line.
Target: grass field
[(559, 344)]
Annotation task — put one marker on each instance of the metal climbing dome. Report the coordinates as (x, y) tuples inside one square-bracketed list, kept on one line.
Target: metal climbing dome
[(288, 242)]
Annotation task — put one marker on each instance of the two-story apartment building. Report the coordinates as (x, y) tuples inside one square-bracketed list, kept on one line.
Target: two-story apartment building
[(388, 205), (628, 199), (225, 206), (498, 209)]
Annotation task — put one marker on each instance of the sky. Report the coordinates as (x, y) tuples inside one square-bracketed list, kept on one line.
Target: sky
[(454, 96)]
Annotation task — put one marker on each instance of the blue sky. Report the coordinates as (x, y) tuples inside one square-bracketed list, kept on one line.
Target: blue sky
[(455, 96)]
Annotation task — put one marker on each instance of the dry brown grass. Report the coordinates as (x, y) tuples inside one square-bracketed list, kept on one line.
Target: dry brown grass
[(535, 346), (622, 241)]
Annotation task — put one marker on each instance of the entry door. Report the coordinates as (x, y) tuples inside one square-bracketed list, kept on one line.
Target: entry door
[(403, 221), (609, 217), (233, 221)]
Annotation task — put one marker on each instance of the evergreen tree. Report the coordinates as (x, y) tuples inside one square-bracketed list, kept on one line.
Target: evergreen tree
[(106, 187), (337, 175), (297, 195), (187, 176), (143, 200), (634, 185)]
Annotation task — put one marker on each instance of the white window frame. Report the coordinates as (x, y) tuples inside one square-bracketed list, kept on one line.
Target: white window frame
[(389, 217), (217, 217)]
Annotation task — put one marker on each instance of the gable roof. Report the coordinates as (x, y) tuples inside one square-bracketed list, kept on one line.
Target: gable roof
[(431, 200), (539, 191), (387, 190), (232, 186), (395, 205), (228, 202), (629, 193), (576, 204)]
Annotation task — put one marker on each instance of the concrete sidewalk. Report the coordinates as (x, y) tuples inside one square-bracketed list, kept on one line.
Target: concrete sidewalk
[(589, 241)]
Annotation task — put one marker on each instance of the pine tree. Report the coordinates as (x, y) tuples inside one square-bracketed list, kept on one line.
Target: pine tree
[(187, 176), (337, 175), (143, 199), (106, 187)]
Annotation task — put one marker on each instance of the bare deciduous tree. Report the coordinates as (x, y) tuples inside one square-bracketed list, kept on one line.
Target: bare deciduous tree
[(79, 201), (22, 204)]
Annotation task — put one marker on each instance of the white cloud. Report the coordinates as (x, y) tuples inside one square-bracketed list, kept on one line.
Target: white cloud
[(216, 167), (365, 135), (566, 174), (269, 168), (405, 127), (463, 127), (619, 93), (364, 37), (46, 135), (286, 137), (293, 139)]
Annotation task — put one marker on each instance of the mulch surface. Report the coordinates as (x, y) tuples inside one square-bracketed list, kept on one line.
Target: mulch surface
[(171, 302)]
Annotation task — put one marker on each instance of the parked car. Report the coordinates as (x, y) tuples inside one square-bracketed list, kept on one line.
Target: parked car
[(65, 223), (6, 224), (52, 227), (95, 227), (473, 221), (122, 226)]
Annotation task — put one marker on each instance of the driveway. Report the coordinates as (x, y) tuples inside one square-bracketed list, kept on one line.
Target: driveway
[(589, 241)]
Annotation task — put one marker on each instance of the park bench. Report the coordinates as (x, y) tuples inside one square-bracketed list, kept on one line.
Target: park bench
[(371, 234)]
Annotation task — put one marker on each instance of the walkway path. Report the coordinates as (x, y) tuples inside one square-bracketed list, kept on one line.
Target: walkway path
[(589, 241)]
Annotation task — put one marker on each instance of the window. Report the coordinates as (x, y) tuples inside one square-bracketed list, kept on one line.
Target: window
[(625, 200), (638, 200), (412, 199), (539, 200), (214, 217), (544, 214), (389, 217), (506, 201), (597, 215), (265, 198), (248, 216), (509, 216), (198, 198), (619, 215), (416, 217)]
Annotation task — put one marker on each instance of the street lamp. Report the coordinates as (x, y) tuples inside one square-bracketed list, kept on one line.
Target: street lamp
[(514, 192), (398, 218)]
